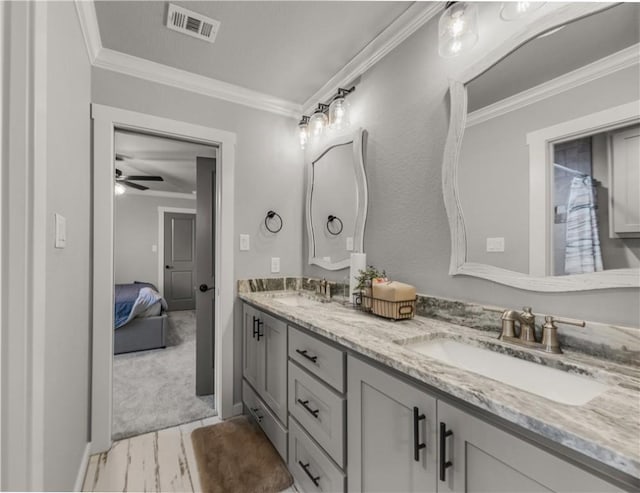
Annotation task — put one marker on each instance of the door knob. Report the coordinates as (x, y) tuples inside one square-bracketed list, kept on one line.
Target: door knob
[(168, 266), (204, 288)]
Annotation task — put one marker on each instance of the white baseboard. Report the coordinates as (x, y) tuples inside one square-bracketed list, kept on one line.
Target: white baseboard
[(82, 471), (237, 408)]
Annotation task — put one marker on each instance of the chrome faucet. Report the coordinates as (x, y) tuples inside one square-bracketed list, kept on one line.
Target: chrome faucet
[(525, 333)]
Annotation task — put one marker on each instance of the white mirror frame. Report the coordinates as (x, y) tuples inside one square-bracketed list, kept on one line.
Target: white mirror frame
[(357, 139), (616, 278)]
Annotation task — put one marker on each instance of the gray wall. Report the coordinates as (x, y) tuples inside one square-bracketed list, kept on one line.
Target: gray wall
[(136, 230), (403, 102), (67, 355), (494, 165), (269, 171)]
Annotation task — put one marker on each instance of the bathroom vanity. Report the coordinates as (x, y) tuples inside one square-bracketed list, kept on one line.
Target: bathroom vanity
[(352, 402)]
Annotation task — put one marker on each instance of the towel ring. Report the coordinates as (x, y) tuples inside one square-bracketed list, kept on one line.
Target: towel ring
[(271, 215), (330, 220)]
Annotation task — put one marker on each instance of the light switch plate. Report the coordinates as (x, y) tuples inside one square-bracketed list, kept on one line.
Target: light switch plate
[(154, 248), (61, 231), (349, 243), (495, 244), (275, 264), (244, 243)]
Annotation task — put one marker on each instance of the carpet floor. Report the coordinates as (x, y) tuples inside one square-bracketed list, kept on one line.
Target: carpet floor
[(155, 389)]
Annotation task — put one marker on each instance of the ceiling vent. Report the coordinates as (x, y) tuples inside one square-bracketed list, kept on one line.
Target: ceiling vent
[(191, 23)]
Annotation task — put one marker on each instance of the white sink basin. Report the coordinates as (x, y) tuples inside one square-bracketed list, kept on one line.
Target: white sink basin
[(296, 300), (553, 384)]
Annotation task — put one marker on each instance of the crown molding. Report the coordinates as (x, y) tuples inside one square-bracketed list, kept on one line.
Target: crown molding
[(400, 29), (605, 66), (160, 193), (90, 30)]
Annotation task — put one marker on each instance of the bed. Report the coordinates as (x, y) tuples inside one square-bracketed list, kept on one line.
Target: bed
[(141, 321)]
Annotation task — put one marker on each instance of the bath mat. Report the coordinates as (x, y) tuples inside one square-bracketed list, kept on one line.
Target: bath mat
[(236, 456)]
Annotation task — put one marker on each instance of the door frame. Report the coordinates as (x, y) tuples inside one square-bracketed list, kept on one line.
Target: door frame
[(105, 120), (161, 212)]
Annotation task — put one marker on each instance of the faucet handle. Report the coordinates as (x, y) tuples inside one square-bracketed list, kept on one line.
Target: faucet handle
[(569, 321)]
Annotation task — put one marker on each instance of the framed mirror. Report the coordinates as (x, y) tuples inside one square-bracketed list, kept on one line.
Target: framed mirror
[(336, 200), (543, 153)]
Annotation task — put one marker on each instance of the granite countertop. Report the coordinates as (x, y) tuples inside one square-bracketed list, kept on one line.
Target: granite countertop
[(607, 428)]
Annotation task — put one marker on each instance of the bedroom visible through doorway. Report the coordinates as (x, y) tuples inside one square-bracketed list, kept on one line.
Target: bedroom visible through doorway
[(163, 232)]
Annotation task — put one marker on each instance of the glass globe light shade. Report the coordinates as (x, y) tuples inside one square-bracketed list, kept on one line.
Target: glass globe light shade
[(339, 117), (317, 124), (303, 133), (511, 11), (457, 29), (119, 189)]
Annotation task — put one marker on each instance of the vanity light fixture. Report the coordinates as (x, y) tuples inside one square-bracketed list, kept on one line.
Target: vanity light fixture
[(333, 116), (457, 28), (303, 131), (511, 11), (339, 116), (318, 121), (119, 189)]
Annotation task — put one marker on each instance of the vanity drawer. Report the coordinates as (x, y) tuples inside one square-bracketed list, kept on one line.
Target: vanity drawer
[(310, 466), (321, 359), (319, 409), (276, 433)]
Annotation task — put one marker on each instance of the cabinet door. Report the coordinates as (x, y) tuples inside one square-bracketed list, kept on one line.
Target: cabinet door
[(250, 356), (273, 378), (382, 433), (484, 458)]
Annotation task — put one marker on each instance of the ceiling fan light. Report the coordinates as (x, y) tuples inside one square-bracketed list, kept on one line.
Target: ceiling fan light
[(457, 28), (119, 189), (512, 11)]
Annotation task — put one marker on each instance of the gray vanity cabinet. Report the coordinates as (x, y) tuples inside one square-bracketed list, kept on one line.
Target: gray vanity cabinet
[(388, 421), (265, 359), (481, 457)]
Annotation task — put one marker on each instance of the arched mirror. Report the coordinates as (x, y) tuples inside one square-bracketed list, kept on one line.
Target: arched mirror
[(541, 173), (336, 200)]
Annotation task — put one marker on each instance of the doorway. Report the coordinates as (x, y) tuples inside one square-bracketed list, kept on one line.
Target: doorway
[(106, 120)]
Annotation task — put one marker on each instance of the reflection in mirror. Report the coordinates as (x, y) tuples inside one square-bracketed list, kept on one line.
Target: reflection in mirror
[(539, 181), (583, 239), (336, 202)]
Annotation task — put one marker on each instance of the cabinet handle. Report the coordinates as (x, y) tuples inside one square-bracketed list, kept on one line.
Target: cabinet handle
[(305, 467), (257, 323), (311, 411), (417, 446), (444, 464), (256, 415), (303, 353)]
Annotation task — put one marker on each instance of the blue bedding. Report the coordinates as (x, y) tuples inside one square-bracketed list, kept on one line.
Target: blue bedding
[(133, 299)]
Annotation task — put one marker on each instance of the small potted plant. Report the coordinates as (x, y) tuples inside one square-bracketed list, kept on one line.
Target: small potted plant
[(365, 279)]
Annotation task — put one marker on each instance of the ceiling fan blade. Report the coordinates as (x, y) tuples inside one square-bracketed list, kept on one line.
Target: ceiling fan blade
[(133, 185), (142, 178)]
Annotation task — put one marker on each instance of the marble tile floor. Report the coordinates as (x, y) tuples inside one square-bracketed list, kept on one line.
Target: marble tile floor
[(158, 461)]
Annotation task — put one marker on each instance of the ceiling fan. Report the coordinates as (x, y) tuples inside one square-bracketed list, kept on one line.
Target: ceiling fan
[(129, 179)]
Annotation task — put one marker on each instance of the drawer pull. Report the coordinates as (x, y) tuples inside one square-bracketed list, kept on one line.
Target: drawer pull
[(254, 411), (314, 412), (305, 467), (303, 353), (444, 463), (417, 446)]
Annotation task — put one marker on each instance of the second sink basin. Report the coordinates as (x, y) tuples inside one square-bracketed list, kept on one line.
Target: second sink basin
[(550, 383)]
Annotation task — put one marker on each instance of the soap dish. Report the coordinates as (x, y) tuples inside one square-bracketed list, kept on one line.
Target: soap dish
[(395, 310)]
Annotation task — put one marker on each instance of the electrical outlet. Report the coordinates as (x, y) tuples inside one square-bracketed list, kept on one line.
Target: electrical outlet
[(275, 264), (495, 244), (154, 248), (349, 243), (244, 243)]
